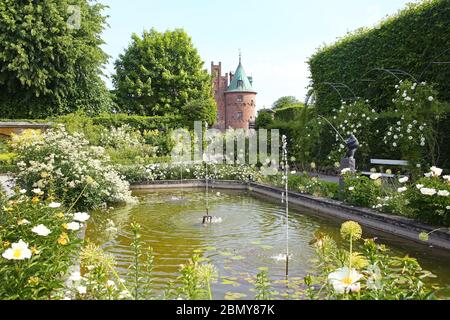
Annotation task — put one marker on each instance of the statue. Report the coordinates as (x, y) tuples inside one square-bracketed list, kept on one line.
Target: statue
[(352, 145)]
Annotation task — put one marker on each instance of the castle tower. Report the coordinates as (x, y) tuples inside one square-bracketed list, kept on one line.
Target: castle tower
[(236, 102), (220, 84)]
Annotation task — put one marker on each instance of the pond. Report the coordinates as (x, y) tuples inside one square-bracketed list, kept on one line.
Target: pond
[(250, 236)]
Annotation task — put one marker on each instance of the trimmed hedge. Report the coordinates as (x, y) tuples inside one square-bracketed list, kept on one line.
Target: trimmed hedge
[(408, 41), (138, 122), (289, 113)]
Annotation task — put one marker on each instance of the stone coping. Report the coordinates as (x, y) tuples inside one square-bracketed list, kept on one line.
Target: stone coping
[(24, 125), (391, 224)]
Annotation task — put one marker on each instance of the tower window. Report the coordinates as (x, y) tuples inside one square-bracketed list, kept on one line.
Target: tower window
[(240, 98), (240, 83), (239, 116)]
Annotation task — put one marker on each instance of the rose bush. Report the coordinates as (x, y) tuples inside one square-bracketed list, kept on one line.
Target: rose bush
[(65, 166)]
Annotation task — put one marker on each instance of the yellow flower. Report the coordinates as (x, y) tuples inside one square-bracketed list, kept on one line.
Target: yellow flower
[(351, 228), (44, 174), (35, 200), (377, 182), (9, 209), (34, 250), (388, 171), (89, 180), (60, 215), (33, 281), (6, 244), (63, 239)]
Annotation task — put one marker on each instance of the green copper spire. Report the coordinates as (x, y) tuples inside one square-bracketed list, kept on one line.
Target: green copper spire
[(240, 82)]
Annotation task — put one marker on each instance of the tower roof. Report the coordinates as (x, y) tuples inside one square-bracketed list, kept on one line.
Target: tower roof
[(240, 82)]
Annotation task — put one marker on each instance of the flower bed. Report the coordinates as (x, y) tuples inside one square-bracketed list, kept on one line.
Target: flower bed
[(65, 165)]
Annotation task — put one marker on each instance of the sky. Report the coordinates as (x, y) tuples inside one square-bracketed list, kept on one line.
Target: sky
[(275, 37)]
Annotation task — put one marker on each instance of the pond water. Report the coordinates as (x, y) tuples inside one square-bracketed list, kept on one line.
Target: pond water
[(250, 236)]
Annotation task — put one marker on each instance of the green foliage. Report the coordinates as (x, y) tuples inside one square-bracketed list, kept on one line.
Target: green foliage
[(204, 110), (66, 165), (361, 191), (140, 276), (264, 119), (435, 208), (371, 274), (285, 102), (406, 41), (262, 286), (289, 113), (304, 183), (36, 276), (141, 138), (159, 73), (46, 67)]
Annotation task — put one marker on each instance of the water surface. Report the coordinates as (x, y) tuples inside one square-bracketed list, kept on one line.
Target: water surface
[(251, 234)]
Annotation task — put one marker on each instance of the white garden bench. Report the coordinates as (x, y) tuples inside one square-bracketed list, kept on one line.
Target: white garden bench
[(387, 162)]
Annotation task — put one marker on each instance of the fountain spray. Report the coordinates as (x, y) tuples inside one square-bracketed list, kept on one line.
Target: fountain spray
[(286, 199), (207, 218)]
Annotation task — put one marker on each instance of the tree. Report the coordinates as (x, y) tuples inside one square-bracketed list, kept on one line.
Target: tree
[(199, 110), (264, 119), (50, 58), (159, 73), (284, 102)]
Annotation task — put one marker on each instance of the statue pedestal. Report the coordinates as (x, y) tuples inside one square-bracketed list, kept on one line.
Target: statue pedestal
[(347, 163)]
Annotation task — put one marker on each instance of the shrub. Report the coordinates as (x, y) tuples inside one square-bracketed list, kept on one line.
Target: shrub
[(170, 171), (38, 268), (65, 165), (361, 191), (368, 274), (429, 200)]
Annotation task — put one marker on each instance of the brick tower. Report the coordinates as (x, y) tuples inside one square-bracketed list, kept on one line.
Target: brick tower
[(236, 101)]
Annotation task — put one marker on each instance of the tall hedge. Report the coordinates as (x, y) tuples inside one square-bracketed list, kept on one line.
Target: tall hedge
[(408, 41)]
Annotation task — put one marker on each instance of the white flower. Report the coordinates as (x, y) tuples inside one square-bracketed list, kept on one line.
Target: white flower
[(375, 176), (430, 98), (74, 226), (345, 170), (81, 216), (81, 289), (436, 171), (448, 207), (403, 180), (41, 230), (76, 276), (351, 188), (345, 280), (394, 144), (446, 178), (419, 186), (54, 205), (428, 191), (23, 191), (443, 193), (401, 190), (18, 251), (37, 191), (110, 283)]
